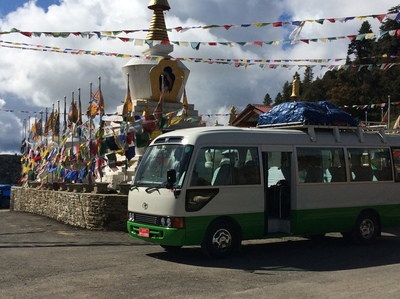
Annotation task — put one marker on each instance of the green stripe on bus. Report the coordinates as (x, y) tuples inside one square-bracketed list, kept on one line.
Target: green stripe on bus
[(319, 221)]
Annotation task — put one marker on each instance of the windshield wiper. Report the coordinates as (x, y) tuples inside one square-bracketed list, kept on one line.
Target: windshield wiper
[(155, 188), (133, 187), (150, 190)]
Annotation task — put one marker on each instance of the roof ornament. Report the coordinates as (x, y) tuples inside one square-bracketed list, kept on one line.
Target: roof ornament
[(158, 29)]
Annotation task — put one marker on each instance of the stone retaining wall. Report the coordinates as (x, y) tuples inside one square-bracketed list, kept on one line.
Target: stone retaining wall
[(87, 210)]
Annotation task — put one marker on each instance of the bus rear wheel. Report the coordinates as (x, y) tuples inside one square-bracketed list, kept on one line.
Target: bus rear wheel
[(366, 229), (221, 239)]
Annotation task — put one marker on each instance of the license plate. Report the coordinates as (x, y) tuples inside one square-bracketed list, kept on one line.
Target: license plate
[(144, 232)]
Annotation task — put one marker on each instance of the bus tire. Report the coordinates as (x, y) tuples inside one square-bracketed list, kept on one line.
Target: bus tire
[(366, 228), (170, 248), (221, 239)]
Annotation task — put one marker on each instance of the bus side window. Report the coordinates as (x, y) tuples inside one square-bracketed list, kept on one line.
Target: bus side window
[(360, 165), (381, 164), (310, 165), (237, 166), (203, 168), (336, 167), (222, 175), (396, 162), (248, 172), (251, 172)]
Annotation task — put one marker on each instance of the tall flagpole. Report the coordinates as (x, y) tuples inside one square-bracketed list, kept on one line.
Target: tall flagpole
[(41, 126), (34, 136), (162, 95), (22, 132), (126, 119), (100, 128), (90, 133), (388, 120), (45, 142), (53, 128), (79, 123), (29, 126), (52, 124), (72, 123), (58, 119), (65, 116), (45, 127)]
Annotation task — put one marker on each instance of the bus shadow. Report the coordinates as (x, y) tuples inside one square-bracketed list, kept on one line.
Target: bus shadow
[(331, 253)]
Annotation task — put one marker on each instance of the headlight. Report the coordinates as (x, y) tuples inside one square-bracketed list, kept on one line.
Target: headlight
[(174, 222), (165, 221), (162, 221), (131, 216)]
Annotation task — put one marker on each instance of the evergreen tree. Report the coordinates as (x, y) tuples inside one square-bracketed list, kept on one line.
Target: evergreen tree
[(364, 80), (308, 75), (387, 44), (267, 100), (278, 99), (362, 49), (315, 92), (306, 84), (287, 92)]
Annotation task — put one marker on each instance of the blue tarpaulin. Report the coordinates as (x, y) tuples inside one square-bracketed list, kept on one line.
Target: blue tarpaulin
[(308, 113), (5, 193)]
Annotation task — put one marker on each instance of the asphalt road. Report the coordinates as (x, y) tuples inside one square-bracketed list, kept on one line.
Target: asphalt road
[(42, 258)]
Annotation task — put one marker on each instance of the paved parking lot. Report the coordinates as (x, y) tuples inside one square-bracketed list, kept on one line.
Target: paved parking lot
[(42, 258)]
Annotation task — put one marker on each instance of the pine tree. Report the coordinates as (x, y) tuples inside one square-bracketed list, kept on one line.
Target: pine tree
[(278, 99), (306, 83), (308, 75), (361, 49), (389, 45), (267, 100), (287, 92)]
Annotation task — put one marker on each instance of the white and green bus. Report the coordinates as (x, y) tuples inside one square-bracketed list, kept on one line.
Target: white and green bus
[(217, 186)]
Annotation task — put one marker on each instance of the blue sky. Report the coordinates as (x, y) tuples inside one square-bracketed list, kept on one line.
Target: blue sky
[(34, 80), (7, 6)]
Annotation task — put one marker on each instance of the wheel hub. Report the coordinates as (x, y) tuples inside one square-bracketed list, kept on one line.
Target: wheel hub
[(222, 239), (367, 228)]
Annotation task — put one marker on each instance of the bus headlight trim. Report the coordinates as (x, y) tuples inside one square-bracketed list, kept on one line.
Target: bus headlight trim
[(131, 216), (162, 221), (172, 222), (165, 221)]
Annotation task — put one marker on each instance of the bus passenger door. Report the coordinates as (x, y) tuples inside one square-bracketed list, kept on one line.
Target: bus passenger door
[(278, 172)]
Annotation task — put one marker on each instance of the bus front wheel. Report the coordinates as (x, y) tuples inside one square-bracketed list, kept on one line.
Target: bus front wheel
[(221, 239), (366, 229)]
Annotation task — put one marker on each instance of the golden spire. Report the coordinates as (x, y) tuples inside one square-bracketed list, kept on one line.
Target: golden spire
[(158, 30), (232, 115), (295, 87)]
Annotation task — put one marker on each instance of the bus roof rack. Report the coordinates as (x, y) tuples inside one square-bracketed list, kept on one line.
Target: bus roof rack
[(359, 130)]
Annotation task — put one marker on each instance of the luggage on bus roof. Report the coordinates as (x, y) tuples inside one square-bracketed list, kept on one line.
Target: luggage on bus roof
[(308, 113)]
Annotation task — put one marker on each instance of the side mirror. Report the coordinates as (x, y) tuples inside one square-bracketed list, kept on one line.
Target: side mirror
[(171, 178)]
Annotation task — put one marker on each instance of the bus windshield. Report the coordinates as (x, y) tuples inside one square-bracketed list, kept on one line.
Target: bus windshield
[(158, 159)]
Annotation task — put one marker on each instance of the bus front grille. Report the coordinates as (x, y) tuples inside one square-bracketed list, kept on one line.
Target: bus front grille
[(146, 219)]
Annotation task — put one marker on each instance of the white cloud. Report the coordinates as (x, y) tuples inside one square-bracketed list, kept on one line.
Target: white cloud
[(32, 80)]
